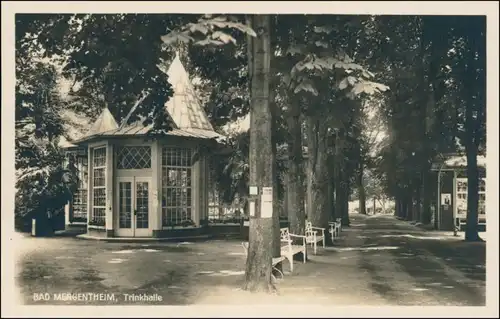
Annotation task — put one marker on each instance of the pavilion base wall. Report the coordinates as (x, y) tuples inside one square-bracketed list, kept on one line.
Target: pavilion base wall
[(180, 232), (97, 232), (227, 231)]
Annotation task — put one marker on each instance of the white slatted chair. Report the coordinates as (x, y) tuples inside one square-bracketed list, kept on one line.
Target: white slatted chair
[(288, 249), (334, 229), (312, 236), (275, 260)]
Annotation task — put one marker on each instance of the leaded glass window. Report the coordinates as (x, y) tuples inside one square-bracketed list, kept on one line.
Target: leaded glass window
[(133, 157)]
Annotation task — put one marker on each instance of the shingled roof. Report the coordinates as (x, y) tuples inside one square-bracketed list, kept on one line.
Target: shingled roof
[(183, 107)]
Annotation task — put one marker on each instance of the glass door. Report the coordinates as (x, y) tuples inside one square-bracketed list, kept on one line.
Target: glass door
[(133, 207), (142, 208)]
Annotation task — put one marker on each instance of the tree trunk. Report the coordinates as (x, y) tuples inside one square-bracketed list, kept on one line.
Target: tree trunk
[(331, 188), (409, 209), (308, 182), (361, 189), (260, 250), (427, 194), (472, 126), (418, 208), (471, 233), (404, 207), (339, 207), (345, 212), (340, 168), (397, 204), (318, 161), (276, 183), (294, 186)]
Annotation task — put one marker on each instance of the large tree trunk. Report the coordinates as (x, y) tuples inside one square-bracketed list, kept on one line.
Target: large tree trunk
[(418, 202), (260, 250), (427, 193), (397, 204), (409, 209), (342, 195), (276, 182), (331, 187), (471, 233), (404, 206), (345, 212), (318, 161), (339, 207), (472, 126), (294, 186), (361, 188)]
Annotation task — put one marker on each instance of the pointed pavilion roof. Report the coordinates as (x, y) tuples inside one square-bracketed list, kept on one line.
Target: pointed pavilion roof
[(183, 107), (105, 122)]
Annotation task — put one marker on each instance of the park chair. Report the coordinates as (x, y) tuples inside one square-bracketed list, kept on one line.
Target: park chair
[(312, 236), (289, 249)]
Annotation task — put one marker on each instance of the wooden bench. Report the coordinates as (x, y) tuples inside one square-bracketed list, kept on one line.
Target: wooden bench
[(289, 249), (275, 260), (312, 236)]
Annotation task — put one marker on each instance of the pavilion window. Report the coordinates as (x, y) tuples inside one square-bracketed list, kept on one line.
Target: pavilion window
[(176, 187), (80, 196), (462, 196), (133, 157), (99, 187), (482, 197)]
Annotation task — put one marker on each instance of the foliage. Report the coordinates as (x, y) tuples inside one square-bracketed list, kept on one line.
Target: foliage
[(44, 183), (112, 60), (231, 170)]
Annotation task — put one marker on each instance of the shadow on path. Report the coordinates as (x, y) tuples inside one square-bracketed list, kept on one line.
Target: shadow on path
[(445, 270)]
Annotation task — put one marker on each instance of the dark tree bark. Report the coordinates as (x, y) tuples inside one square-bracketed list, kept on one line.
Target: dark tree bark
[(427, 184), (276, 183), (471, 233), (331, 186), (361, 188), (404, 206), (294, 186), (475, 88), (332, 190), (338, 179), (409, 208), (397, 203), (345, 212), (319, 179), (260, 250), (418, 203)]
